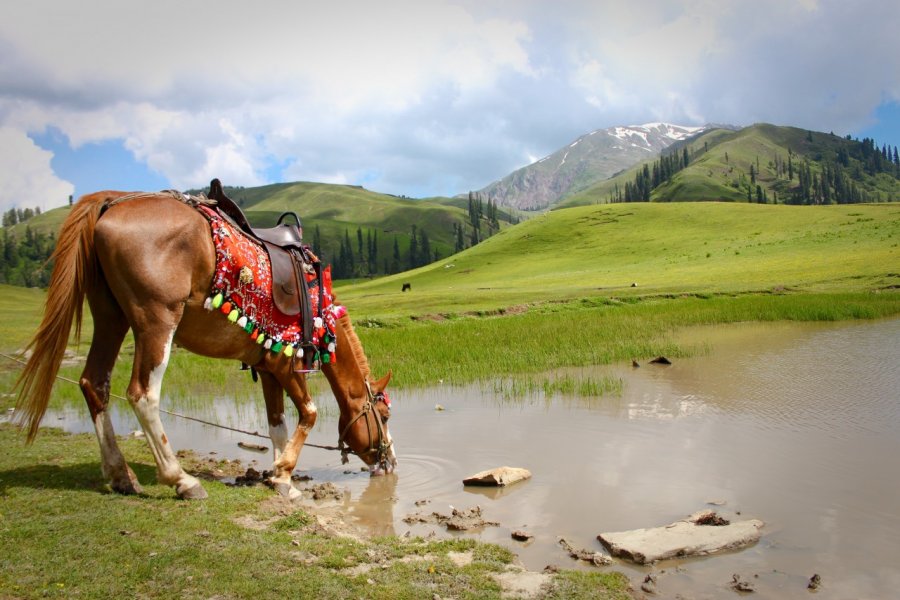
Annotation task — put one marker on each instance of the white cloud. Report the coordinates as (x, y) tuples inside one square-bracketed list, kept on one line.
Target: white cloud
[(28, 180), (414, 97)]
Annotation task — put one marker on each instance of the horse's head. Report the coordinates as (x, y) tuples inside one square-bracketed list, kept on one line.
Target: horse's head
[(367, 434)]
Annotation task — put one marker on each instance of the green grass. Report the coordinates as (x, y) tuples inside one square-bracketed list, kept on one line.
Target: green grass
[(66, 535), (589, 331), (677, 248)]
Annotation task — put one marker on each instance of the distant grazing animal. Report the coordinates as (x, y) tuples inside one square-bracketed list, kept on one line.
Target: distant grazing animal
[(406, 286), (145, 262)]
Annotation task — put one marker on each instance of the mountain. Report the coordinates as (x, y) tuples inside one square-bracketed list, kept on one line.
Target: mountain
[(589, 159), (786, 164)]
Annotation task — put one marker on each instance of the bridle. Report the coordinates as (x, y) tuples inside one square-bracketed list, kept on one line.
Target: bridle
[(383, 445)]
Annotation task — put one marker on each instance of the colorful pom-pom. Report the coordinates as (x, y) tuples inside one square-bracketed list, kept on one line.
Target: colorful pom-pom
[(254, 335), (242, 322), (326, 358), (226, 308), (217, 300), (233, 315), (260, 339), (249, 326), (331, 348), (208, 305), (288, 350), (268, 344), (276, 348)]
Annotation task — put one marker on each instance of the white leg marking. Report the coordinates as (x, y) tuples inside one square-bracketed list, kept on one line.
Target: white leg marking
[(111, 459), (279, 435), (147, 409)]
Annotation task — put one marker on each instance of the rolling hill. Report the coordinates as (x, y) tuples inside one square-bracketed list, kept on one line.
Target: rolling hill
[(333, 216), (782, 161), (646, 249)]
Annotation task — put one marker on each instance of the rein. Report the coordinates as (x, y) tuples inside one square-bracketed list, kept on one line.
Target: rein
[(383, 446), (344, 451)]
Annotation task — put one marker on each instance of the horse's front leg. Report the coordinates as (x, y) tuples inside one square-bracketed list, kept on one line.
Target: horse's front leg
[(285, 462)]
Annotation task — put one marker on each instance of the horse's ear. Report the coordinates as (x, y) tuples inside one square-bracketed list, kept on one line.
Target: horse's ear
[(381, 384)]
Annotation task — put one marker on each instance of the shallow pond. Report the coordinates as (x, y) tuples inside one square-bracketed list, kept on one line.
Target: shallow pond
[(794, 424)]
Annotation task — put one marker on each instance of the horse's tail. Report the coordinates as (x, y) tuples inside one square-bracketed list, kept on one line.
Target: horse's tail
[(74, 270)]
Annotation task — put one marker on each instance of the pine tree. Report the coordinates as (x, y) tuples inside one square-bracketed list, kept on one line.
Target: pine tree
[(395, 262), (413, 257), (424, 249)]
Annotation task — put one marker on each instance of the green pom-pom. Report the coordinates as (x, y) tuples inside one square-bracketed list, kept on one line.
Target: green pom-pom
[(276, 348), (217, 300), (326, 358), (233, 315), (249, 326)]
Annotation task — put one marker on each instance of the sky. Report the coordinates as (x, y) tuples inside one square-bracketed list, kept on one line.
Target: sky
[(416, 98)]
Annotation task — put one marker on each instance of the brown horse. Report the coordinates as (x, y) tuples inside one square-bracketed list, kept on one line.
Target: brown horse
[(146, 264)]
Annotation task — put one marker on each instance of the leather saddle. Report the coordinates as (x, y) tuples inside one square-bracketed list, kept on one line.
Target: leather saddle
[(287, 255)]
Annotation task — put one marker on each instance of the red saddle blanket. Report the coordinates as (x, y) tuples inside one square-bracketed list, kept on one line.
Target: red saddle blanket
[(242, 290)]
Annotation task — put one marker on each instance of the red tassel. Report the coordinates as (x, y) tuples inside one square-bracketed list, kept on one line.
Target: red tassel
[(226, 308), (255, 334)]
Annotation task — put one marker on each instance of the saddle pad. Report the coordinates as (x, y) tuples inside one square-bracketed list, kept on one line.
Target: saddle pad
[(242, 290)]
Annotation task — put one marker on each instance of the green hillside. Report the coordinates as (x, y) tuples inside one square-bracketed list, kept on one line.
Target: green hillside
[(341, 214), (664, 249), (782, 161)]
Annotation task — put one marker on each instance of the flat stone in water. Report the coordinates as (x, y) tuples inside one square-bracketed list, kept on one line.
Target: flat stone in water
[(498, 477), (688, 537)]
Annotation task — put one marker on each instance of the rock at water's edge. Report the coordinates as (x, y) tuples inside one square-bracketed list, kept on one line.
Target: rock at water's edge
[(681, 539), (498, 477)]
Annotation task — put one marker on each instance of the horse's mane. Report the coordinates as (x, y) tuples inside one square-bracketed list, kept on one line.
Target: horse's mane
[(355, 345)]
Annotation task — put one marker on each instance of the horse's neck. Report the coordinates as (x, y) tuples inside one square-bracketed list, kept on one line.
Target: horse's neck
[(345, 375)]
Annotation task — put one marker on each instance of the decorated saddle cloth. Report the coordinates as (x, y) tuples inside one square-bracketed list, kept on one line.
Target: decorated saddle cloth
[(242, 291)]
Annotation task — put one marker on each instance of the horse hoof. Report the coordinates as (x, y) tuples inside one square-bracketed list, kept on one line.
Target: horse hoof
[(127, 483), (127, 488), (195, 492), (286, 490)]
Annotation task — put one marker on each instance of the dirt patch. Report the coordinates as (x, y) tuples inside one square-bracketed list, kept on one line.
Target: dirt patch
[(210, 467), (517, 582), (595, 558), (458, 520)]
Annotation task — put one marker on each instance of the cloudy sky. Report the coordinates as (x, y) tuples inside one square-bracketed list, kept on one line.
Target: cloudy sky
[(416, 98)]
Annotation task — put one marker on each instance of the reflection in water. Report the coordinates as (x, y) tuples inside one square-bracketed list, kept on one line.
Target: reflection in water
[(374, 508), (796, 425)]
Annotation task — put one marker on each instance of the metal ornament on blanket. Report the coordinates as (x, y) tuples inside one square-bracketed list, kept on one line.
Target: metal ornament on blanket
[(242, 290)]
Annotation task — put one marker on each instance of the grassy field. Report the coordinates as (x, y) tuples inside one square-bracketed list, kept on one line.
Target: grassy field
[(663, 249)]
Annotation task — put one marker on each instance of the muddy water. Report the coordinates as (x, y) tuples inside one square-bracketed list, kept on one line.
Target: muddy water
[(796, 425)]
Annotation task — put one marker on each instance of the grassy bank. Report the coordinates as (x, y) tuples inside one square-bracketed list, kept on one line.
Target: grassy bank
[(65, 535), (589, 331)]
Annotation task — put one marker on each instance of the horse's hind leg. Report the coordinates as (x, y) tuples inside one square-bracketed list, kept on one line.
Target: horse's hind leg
[(281, 472), (110, 328), (153, 335)]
